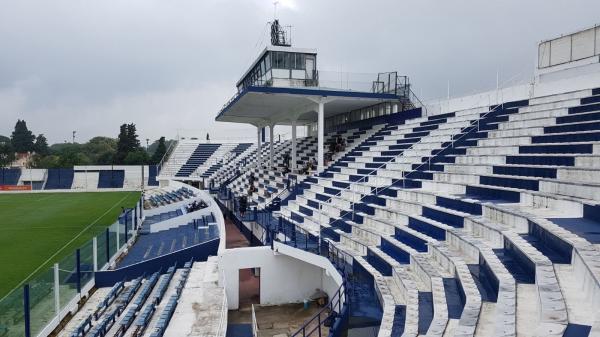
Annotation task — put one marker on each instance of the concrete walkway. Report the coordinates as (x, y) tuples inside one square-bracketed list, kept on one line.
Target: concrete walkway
[(235, 238)]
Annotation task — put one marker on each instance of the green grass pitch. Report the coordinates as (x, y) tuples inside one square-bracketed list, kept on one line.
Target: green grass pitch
[(36, 226)]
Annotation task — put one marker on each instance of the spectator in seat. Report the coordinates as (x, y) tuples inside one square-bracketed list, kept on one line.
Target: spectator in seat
[(332, 146), (306, 168), (243, 205), (328, 157), (286, 160), (338, 144)]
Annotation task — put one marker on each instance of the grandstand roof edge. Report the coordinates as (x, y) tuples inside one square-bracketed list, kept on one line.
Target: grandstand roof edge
[(277, 103)]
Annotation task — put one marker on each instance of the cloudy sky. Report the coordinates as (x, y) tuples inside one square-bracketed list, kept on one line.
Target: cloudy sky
[(169, 65)]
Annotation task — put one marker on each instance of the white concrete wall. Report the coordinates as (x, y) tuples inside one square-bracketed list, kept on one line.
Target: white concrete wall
[(332, 279), (132, 179), (200, 195), (178, 221), (558, 82), (32, 175), (283, 279)]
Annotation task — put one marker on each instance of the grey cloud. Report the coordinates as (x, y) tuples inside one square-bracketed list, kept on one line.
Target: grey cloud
[(168, 65)]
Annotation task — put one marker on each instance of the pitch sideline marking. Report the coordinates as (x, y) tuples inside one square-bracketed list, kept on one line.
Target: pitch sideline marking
[(63, 247)]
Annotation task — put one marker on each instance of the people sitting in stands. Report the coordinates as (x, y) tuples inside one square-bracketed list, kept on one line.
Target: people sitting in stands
[(311, 165), (286, 159), (332, 146), (196, 206), (306, 168), (251, 190), (243, 205), (286, 163), (340, 144), (328, 157)]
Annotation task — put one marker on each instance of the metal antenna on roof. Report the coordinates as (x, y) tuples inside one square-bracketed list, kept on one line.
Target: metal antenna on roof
[(275, 3)]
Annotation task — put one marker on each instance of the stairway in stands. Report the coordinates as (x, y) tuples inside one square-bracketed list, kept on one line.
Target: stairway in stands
[(232, 155), (198, 157)]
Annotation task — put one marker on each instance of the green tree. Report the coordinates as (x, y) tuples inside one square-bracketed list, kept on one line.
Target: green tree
[(101, 150), (50, 161), (7, 153), (72, 158), (136, 157), (122, 144), (127, 142), (105, 158), (160, 151), (22, 138), (132, 137), (41, 145)]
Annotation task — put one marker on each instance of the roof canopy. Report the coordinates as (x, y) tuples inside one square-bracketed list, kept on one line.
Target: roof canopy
[(280, 105)]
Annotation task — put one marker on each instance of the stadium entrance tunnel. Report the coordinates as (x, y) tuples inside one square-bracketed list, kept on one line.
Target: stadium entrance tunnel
[(249, 287)]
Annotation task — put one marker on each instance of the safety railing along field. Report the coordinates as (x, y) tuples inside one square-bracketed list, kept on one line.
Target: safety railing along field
[(39, 303)]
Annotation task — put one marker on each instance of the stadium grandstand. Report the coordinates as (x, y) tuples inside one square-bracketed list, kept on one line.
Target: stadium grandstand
[(472, 216)]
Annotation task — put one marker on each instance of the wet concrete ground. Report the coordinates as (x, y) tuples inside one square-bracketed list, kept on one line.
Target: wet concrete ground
[(278, 319)]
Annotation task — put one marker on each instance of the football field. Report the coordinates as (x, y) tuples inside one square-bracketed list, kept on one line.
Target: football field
[(38, 229)]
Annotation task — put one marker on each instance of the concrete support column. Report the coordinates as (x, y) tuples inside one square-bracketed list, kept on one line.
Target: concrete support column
[(259, 146), (293, 168), (271, 140), (321, 136)]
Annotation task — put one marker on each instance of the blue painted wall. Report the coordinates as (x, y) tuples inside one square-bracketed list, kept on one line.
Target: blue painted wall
[(199, 252)]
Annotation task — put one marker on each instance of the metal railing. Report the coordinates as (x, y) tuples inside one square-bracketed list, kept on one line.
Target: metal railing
[(416, 101), (166, 156), (40, 302), (326, 315)]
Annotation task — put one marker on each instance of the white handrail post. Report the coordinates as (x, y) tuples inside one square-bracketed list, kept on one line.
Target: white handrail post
[(95, 253), (57, 291)]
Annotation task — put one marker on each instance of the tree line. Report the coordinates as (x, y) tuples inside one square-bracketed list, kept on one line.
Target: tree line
[(123, 150)]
